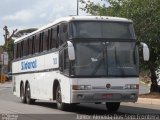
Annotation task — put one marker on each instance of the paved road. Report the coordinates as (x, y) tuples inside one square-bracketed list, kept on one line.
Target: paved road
[(11, 107)]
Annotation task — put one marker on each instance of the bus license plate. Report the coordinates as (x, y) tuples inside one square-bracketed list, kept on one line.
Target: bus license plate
[(107, 96)]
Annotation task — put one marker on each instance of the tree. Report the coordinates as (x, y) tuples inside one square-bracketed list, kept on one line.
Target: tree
[(7, 36), (146, 17), (8, 45)]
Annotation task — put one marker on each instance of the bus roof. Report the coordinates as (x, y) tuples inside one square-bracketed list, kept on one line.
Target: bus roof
[(72, 18)]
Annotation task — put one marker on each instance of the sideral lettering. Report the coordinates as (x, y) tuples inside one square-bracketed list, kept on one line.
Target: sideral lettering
[(27, 65)]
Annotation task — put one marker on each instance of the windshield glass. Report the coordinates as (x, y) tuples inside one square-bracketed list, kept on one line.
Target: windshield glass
[(106, 59), (102, 29)]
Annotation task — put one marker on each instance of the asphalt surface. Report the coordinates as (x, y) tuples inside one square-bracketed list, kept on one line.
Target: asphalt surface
[(11, 108)]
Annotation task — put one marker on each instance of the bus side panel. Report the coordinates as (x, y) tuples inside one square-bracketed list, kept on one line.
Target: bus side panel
[(16, 80), (16, 85), (65, 88), (44, 85)]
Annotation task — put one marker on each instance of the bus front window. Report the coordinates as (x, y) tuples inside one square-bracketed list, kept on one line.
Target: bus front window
[(101, 59), (102, 29)]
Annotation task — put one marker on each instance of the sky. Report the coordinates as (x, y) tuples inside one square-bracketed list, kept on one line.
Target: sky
[(23, 14)]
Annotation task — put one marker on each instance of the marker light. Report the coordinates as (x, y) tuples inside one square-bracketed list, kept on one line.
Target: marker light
[(131, 86), (81, 87)]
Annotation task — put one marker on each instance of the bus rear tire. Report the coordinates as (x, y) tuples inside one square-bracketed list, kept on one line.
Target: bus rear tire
[(112, 106), (22, 94), (29, 100), (60, 104)]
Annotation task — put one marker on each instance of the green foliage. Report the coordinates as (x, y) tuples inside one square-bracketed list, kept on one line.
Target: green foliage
[(146, 17), (94, 9)]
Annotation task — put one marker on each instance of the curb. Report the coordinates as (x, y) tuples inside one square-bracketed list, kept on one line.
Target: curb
[(149, 101)]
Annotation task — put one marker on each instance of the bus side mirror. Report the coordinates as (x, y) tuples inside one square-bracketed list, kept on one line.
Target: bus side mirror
[(71, 52), (145, 51)]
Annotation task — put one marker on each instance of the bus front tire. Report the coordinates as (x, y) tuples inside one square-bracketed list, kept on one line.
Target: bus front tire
[(60, 104), (29, 100), (22, 94), (112, 106)]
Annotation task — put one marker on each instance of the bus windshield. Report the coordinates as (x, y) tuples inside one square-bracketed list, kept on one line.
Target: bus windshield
[(109, 59), (102, 29)]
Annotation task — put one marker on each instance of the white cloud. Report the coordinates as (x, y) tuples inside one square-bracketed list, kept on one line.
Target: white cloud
[(43, 15), (22, 16)]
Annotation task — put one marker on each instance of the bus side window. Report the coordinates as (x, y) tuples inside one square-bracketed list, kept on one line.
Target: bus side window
[(25, 48), (17, 55), (33, 44), (21, 49), (45, 41), (37, 43), (61, 60), (49, 38), (15, 51), (63, 33), (54, 37), (58, 37), (30, 46), (66, 62), (41, 42)]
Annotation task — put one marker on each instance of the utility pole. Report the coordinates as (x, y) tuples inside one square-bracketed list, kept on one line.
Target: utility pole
[(5, 66), (2, 74), (6, 34), (77, 7)]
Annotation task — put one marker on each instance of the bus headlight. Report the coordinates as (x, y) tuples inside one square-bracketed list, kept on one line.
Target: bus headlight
[(131, 86), (81, 87)]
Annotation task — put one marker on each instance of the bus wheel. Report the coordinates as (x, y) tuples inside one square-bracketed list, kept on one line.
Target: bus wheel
[(60, 105), (22, 93), (112, 106), (29, 100)]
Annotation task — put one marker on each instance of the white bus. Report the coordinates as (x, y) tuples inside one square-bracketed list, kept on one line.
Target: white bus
[(79, 59)]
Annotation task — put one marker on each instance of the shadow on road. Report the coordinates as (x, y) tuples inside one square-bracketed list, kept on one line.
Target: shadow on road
[(100, 109), (46, 104)]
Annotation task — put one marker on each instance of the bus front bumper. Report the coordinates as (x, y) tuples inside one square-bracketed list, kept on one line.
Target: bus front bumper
[(90, 97)]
